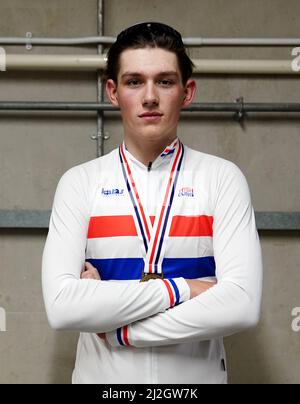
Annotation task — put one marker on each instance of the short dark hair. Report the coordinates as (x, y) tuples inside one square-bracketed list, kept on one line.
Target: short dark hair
[(149, 34)]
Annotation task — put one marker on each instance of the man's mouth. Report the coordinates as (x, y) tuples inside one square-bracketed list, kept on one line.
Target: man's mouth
[(151, 116)]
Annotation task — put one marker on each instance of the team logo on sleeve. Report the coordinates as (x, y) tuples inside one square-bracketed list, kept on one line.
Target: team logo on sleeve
[(112, 192)]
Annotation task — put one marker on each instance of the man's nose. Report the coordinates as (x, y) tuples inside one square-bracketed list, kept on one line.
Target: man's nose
[(150, 95)]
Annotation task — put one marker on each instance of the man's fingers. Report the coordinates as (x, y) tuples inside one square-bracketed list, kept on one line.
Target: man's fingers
[(90, 272), (85, 275), (102, 336), (88, 266), (89, 275)]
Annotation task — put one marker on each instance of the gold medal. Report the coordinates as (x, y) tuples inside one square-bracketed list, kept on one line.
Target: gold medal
[(147, 276)]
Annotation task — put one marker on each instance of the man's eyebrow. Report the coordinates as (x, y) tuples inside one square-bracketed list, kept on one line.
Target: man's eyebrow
[(126, 74), (160, 74), (169, 73)]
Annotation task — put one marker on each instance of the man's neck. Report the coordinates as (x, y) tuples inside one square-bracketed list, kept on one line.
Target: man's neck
[(148, 151)]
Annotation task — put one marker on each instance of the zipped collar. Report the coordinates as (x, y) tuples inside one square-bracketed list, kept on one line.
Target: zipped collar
[(162, 160)]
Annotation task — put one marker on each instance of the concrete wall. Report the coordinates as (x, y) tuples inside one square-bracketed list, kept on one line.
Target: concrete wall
[(36, 148)]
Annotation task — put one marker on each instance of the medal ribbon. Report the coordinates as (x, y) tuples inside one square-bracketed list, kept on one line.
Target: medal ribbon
[(154, 238)]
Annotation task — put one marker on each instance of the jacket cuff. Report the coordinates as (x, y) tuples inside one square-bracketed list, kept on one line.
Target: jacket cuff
[(178, 291), (118, 337)]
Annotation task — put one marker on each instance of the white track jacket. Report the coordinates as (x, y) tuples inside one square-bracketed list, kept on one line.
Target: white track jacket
[(154, 332)]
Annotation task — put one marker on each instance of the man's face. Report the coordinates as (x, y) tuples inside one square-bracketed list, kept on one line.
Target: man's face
[(150, 93)]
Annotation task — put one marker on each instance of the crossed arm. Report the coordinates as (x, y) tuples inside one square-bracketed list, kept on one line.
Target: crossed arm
[(196, 286), (77, 302)]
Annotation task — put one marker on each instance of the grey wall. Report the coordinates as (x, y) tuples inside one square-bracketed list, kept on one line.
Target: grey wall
[(36, 148)]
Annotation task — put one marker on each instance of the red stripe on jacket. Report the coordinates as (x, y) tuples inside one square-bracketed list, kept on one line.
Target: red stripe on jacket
[(191, 226), (118, 226)]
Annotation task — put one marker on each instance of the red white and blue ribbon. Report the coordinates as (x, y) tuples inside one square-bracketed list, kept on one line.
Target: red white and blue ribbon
[(154, 237), (170, 149)]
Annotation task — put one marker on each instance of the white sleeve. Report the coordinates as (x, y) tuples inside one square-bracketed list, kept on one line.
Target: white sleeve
[(233, 304), (84, 304)]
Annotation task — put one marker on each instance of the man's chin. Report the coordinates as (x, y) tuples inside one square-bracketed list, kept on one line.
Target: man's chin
[(152, 134), (153, 137)]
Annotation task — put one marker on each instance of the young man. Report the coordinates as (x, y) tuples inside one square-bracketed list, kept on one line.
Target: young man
[(152, 252)]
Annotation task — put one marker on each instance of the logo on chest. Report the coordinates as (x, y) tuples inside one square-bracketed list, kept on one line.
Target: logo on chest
[(112, 192), (186, 192)]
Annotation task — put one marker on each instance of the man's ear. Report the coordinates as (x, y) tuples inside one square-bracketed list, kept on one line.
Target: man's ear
[(189, 93), (111, 91)]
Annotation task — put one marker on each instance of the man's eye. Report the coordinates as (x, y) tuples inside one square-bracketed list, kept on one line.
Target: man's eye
[(166, 83), (133, 83)]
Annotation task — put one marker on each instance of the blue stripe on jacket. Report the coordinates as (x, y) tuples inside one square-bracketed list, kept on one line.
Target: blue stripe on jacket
[(131, 268)]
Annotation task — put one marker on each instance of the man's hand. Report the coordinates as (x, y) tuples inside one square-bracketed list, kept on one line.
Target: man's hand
[(102, 336), (197, 287), (90, 272)]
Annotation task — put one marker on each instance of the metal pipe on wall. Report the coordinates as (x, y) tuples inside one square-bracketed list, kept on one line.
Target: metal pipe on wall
[(98, 62), (189, 41), (39, 219), (100, 95), (55, 62), (244, 66), (241, 41), (90, 40), (238, 107)]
